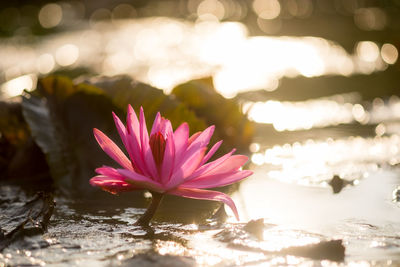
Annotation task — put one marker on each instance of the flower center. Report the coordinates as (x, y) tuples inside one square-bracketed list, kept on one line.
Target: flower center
[(157, 145)]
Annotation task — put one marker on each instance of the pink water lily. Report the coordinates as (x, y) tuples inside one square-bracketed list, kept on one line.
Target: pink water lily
[(167, 162)]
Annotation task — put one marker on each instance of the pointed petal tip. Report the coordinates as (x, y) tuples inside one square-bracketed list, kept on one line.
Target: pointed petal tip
[(92, 181), (211, 129), (130, 109), (115, 117), (98, 135)]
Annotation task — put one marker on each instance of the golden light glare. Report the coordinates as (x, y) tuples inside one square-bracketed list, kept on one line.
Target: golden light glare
[(117, 62), (304, 115), (165, 52)]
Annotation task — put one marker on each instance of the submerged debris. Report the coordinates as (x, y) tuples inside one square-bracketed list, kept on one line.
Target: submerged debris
[(256, 228), (338, 184)]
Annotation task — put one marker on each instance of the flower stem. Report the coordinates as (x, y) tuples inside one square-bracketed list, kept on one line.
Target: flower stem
[(151, 209)]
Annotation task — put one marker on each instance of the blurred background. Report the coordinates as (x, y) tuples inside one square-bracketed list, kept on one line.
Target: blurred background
[(259, 51), (243, 45)]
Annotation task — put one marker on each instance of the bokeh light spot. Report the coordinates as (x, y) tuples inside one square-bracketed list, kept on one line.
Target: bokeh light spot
[(267, 9), (367, 51), (370, 18), (45, 63), (67, 55), (389, 53), (50, 15)]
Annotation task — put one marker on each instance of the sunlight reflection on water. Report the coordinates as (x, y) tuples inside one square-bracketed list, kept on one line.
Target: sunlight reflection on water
[(317, 161), (322, 112), (165, 52)]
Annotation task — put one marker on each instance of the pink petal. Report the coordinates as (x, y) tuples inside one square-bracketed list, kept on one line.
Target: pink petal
[(169, 155), (156, 124), (233, 163), (110, 172), (120, 127), (193, 137), (187, 168), (132, 124), (112, 149), (165, 126), (217, 180), (211, 152), (206, 195), (147, 154), (203, 139), (210, 166), (181, 136), (140, 180), (134, 147), (133, 141), (123, 133), (111, 185), (199, 143)]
